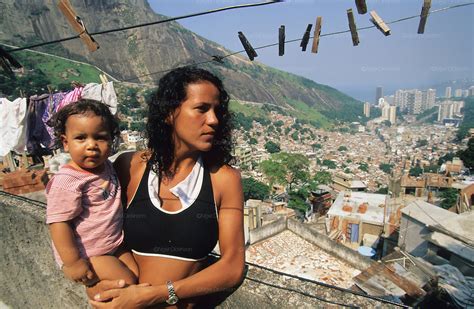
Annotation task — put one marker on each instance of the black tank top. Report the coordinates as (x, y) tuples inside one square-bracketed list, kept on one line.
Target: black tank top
[(190, 234)]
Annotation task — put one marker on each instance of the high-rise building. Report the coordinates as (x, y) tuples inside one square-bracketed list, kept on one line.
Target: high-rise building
[(465, 93), (471, 91), (458, 93), (367, 109), (400, 100), (445, 110), (428, 99), (392, 114), (457, 107), (414, 100), (378, 94), (447, 93)]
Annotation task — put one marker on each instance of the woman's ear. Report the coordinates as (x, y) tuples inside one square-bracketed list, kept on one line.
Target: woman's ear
[(169, 119)]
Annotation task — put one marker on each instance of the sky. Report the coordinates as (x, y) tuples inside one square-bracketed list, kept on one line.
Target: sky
[(403, 60)]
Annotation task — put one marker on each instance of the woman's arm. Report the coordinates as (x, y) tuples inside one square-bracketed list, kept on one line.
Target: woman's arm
[(225, 273)]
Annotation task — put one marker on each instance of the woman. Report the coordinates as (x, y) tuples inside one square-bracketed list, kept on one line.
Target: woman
[(182, 197)]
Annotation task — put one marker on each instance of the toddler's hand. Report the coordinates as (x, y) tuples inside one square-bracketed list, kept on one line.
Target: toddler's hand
[(80, 272)]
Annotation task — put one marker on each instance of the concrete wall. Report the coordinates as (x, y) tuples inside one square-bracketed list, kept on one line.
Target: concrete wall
[(322, 241), (267, 230), (410, 237), (29, 277)]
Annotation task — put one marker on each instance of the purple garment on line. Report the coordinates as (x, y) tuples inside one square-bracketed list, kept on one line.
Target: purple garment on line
[(37, 137), (53, 102), (71, 97)]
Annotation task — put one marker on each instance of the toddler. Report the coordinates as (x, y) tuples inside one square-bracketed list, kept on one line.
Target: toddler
[(84, 210)]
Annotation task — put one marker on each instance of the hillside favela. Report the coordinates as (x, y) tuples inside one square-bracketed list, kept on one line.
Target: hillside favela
[(352, 132)]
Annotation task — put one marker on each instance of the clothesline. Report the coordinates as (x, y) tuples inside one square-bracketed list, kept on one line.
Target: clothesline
[(25, 122)]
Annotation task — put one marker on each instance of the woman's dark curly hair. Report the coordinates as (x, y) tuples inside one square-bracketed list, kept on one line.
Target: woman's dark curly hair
[(83, 107), (169, 96)]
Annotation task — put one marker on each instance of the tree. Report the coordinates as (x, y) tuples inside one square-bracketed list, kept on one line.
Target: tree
[(467, 155), (421, 143), (416, 171), (278, 123), (254, 189), (342, 148), (329, 163), (297, 200), (449, 198), (286, 168), (272, 147), (316, 146), (385, 167), (295, 136), (252, 141), (364, 166), (322, 177)]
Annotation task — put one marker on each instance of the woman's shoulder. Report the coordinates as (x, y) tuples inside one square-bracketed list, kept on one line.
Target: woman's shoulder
[(225, 171)]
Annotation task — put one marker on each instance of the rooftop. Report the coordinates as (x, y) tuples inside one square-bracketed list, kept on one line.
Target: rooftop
[(289, 253), (374, 212)]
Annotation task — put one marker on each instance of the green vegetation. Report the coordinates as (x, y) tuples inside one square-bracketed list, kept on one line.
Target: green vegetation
[(247, 110), (305, 112), (322, 178), (286, 169), (415, 171), (421, 143), (272, 147), (468, 120), (429, 115), (449, 197), (364, 166), (342, 148), (467, 155), (330, 164), (385, 167), (254, 189)]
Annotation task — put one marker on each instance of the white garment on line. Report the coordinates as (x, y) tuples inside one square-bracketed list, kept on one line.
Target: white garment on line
[(102, 93), (13, 125)]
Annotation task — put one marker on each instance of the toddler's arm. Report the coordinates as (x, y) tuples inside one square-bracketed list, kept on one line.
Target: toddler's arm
[(75, 267)]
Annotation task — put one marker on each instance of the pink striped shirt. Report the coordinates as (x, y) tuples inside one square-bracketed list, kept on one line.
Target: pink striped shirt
[(91, 203)]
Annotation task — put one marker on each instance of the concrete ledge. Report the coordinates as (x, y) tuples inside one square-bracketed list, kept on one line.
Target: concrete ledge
[(268, 230), (30, 279)]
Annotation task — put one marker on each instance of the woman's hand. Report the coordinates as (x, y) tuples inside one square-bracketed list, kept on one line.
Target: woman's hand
[(133, 296)]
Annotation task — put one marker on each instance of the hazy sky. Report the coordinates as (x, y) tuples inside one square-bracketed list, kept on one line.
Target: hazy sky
[(404, 59)]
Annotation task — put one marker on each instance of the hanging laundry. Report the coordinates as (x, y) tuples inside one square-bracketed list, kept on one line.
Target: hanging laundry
[(104, 93), (53, 102), (12, 122), (38, 139), (71, 97)]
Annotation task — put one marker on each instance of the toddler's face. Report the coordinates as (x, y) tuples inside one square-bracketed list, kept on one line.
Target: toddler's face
[(88, 141)]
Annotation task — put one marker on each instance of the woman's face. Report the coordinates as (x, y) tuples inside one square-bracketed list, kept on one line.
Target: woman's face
[(195, 121)]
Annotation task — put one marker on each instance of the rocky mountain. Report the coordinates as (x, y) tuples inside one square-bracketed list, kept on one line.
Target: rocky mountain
[(144, 51)]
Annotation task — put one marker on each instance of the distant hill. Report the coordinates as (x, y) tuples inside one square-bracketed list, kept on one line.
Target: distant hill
[(144, 51)]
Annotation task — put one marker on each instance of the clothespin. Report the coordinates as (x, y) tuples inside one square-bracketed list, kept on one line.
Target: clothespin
[(50, 91), (317, 33), (22, 94), (218, 59), (305, 39), (281, 40), (78, 25), (7, 62), (251, 53), (379, 23), (425, 11), (103, 79), (361, 6), (352, 27)]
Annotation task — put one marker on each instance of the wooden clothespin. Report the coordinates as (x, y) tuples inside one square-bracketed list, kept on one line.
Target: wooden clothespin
[(22, 94), (425, 11), (352, 27), (103, 79), (281, 40), (317, 33), (361, 6), (78, 25), (251, 53), (379, 23), (7, 62), (305, 39)]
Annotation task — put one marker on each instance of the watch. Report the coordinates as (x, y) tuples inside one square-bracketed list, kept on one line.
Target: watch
[(172, 297)]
